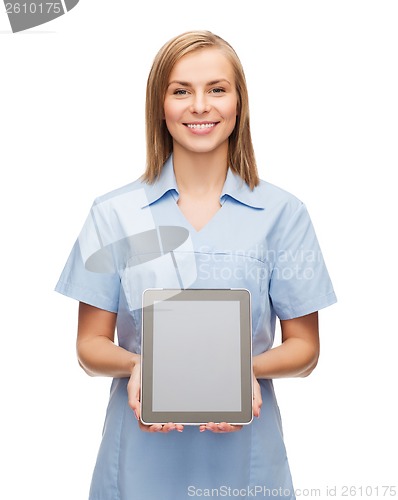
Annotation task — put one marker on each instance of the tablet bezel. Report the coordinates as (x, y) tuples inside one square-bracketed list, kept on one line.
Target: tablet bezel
[(242, 417)]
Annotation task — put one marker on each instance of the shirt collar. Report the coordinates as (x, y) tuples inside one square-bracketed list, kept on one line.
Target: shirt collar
[(165, 182), (234, 187)]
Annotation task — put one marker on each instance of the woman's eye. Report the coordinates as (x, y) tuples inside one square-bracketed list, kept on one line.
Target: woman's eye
[(217, 90), (180, 92)]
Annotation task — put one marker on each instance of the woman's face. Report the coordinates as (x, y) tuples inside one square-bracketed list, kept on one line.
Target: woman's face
[(201, 102)]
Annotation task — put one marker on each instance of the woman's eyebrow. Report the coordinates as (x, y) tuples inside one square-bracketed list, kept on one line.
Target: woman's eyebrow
[(221, 80), (188, 84), (183, 84)]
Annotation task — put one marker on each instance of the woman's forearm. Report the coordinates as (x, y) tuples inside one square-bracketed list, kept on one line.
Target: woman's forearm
[(293, 358), (96, 351), (298, 354), (99, 356)]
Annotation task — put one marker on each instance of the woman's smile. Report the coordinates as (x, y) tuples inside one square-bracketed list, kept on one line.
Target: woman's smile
[(201, 128)]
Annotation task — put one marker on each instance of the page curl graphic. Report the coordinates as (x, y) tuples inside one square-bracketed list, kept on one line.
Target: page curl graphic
[(27, 14), (121, 235)]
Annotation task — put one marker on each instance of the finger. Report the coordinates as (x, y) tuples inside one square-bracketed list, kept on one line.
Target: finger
[(257, 398), (135, 405), (256, 408), (155, 428), (133, 397), (144, 427), (211, 426), (168, 427), (225, 427), (172, 427), (222, 427), (164, 429), (257, 403)]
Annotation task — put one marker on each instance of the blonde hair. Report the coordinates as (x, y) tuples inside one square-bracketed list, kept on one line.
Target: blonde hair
[(159, 142)]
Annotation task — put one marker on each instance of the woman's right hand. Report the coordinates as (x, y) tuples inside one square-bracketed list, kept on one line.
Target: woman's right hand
[(134, 393)]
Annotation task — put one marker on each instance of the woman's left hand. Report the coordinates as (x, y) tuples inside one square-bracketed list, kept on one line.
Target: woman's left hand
[(223, 427)]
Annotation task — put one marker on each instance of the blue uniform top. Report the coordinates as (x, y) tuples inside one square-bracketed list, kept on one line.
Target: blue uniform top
[(135, 238)]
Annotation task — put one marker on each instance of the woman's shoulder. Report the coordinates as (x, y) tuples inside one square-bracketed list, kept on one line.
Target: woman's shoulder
[(275, 196), (121, 191)]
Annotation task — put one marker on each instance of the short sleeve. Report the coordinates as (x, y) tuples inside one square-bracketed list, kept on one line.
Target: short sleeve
[(299, 282), (97, 285)]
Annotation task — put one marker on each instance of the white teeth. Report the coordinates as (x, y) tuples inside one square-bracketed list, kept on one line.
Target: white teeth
[(200, 125)]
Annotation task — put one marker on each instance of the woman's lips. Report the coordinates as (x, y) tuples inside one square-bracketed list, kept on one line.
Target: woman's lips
[(201, 127)]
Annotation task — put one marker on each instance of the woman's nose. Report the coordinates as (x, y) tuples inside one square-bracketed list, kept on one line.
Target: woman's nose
[(200, 104)]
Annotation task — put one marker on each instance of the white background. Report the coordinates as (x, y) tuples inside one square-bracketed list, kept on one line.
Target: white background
[(323, 82)]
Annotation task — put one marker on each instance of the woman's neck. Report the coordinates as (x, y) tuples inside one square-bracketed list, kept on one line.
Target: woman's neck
[(200, 173)]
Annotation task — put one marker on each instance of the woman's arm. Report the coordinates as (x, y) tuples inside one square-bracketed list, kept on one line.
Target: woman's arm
[(298, 354), (96, 351), (99, 355)]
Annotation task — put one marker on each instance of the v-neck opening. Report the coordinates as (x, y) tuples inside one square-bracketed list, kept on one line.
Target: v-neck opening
[(189, 224)]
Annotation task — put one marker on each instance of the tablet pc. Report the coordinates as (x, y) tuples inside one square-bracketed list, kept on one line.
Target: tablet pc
[(196, 356)]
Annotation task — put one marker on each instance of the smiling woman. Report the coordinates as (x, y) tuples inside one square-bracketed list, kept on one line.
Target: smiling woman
[(239, 231), (200, 114), (240, 157)]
